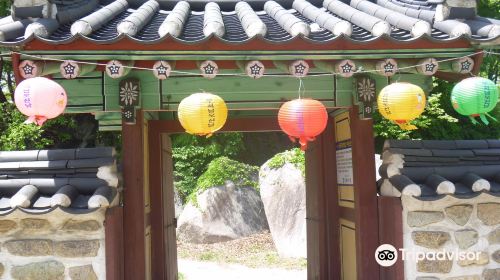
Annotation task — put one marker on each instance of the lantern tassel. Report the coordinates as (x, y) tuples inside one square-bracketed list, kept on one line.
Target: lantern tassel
[(293, 139), (303, 143), (484, 119), (473, 120), (38, 120), (406, 126), (491, 117)]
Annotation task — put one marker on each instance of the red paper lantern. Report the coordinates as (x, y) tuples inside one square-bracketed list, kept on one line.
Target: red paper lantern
[(303, 119)]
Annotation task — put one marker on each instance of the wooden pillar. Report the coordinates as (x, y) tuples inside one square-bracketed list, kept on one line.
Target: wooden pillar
[(365, 196), (332, 208), (322, 209), (114, 243), (390, 212), (134, 214)]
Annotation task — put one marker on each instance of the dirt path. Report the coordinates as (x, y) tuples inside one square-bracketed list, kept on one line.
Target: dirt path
[(196, 270)]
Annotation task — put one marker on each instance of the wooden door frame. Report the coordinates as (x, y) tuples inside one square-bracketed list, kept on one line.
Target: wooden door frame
[(330, 266)]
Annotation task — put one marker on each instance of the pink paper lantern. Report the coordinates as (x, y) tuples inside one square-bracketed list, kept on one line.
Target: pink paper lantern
[(40, 99)]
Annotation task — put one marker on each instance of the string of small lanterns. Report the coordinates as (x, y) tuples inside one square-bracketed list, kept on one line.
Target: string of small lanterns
[(302, 118)]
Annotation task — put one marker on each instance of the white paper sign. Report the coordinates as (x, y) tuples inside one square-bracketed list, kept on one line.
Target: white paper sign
[(344, 166)]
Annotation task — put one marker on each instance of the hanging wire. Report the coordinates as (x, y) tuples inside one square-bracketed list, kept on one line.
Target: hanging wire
[(187, 73), (302, 88)]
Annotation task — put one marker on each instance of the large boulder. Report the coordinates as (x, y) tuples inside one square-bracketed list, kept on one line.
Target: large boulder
[(283, 192), (222, 213)]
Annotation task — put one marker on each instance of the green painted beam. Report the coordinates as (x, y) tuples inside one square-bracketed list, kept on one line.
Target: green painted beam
[(249, 55)]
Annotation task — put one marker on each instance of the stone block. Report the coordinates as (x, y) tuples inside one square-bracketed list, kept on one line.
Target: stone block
[(31, 224), (427, 278), (468, 277), (494, 236), (2, 269), (434, 266), (77, 248), (88, 225), (466, 238), (496, 256), (85, 272), (482, 260), (30, 247), (430, 239), (7, 225), (460, 214), (49, 270), (488, 213), (422, 218), (491, 274)]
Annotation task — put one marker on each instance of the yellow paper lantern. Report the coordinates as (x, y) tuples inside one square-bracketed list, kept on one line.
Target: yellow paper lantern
[(401, 103), (202, 113)]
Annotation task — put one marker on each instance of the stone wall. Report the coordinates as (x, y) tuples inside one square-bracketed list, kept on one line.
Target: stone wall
[(452, 224), (52, 246)]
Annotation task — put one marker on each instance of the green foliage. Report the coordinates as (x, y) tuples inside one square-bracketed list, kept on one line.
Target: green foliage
[(294, 156), (223, 169), (192, 155), (15, 135), (439, 121)]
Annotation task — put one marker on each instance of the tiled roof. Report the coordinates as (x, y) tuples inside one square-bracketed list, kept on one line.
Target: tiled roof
[(39, 180), (276, 21), (433, 168)]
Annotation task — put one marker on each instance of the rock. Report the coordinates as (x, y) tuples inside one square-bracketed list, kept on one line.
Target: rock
[(491, 274), (85, 272), (33, 225), (283, 192), (30, 247), (178, 203), (49, 270), (2, 269), (434, 266), (430, 239), (494, 236), (7, 225), (466, 238), (482, 260), (422, 218), (75, 225), (460, 214), (496, 256), (378, 163), (222, 213), (77, 248), (469, 277), (488, 213)]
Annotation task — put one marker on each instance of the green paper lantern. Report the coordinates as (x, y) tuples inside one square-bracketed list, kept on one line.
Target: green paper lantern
[(475, 97)]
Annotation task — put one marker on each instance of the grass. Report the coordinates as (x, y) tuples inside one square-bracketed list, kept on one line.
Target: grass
[(254, 251)]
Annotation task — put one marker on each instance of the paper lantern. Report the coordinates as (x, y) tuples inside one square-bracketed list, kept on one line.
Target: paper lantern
[(475, 97), (40, 99), (303, 119), (202, 113), (401, 103)]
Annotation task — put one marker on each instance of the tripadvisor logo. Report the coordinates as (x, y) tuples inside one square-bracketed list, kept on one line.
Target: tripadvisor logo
[(386, 255)]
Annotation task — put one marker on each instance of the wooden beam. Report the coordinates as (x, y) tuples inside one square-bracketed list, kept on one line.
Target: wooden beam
[(30, 69), (114, 243), (134, 220), (16, 60), (365, 196), (261, 124)]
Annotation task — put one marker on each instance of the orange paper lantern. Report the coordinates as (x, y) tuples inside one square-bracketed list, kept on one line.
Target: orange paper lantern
[(303, 119)]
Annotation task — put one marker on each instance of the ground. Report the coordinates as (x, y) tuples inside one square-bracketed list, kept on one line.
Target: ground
[(254, 257)]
